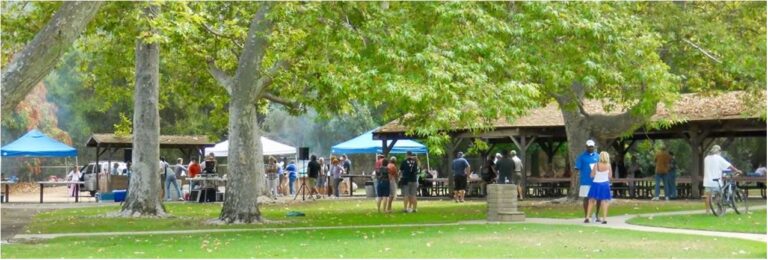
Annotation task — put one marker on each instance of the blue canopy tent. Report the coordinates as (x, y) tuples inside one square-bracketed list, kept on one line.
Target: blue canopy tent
[(36, 144), (365, 144)]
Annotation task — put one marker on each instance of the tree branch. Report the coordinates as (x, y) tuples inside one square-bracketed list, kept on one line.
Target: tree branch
[(222, 35), (39, 56), (276, 99), (220, 76), (702, 50), (266, 80)]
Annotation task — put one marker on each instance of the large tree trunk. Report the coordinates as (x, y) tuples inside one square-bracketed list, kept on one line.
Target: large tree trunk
[(245, 177), (581, 126), (40, 55), (145, 187)]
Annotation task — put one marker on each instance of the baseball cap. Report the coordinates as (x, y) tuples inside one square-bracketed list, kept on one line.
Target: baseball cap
[(590, 143)]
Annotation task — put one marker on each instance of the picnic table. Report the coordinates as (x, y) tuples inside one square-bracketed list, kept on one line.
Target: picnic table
[(53, 183), (7, 189), (203, 184)]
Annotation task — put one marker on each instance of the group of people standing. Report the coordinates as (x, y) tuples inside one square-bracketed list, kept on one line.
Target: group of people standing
[(322, 179), (503, 168), (389, 177), (169, 174)]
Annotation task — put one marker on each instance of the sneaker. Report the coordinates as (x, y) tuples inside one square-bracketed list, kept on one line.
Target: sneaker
[(605, 222), (655, 198), (414, 211), (586, 220), (666, 199), (409, 210)]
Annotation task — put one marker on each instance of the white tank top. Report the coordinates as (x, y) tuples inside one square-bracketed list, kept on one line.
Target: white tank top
[(601, 176)]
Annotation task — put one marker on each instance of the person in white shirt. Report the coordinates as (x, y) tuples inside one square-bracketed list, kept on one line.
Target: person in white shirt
[(714, 165)]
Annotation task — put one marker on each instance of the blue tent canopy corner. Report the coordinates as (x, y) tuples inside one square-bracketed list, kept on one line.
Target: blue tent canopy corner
[(36, 144), (365, 144)]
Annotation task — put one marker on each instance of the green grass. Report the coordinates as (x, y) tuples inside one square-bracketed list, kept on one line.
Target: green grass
[(193, 216), (617, 207), (752, 222), (465, 241), (319, 213)]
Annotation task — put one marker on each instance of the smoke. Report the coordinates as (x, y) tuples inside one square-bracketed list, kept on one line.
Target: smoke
[(311, 130)]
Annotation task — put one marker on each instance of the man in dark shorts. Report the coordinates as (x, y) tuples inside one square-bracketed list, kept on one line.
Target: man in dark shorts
[(313, 170), (461, 168), (409, 168)]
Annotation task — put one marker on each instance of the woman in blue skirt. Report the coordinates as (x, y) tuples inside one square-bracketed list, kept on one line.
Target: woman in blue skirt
[(601, 186)]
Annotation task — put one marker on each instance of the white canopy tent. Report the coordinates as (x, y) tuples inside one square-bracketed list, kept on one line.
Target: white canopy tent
[(270, 147)]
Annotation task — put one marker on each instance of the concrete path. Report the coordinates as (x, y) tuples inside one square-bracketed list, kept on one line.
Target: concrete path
[(616, 222), (620, 222)]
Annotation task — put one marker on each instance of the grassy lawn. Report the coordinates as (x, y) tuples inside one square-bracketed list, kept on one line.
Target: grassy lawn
[(466, 241), (616, 207), (319, 213), (752, 222)]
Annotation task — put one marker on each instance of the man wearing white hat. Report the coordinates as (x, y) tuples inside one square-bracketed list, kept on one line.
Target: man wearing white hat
[(583, 168), (714, 165)]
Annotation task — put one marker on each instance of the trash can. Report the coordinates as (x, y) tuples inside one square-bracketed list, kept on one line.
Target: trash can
[(370, 192)]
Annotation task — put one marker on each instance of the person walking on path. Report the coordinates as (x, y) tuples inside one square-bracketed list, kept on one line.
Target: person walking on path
[(600, 190), (410, 170), (394, 176), (714, 165), (382, 187), (663, 160), (517, 177), (583, 168), (461, 169)]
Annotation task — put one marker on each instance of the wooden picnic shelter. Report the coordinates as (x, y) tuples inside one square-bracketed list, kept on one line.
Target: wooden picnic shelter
[(695, 118), (189, 145)]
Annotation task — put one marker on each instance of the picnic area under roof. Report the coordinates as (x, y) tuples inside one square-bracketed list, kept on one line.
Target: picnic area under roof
[(724, 115), (166, 141)]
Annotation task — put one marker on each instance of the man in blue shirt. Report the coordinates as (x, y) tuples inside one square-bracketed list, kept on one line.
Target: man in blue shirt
[(461, 169), (584, 164)]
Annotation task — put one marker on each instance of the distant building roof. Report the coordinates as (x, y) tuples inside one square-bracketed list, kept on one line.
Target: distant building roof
[(166, 141), (689, 107)]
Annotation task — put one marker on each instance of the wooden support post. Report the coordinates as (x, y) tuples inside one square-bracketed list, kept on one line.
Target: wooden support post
[(695, 139), (523, 143)]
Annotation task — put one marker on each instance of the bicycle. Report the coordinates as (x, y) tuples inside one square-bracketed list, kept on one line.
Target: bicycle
[(727, 195)]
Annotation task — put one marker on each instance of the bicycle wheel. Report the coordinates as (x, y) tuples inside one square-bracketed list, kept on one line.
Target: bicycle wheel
[(740, 199), (716, 204), (732, 199)]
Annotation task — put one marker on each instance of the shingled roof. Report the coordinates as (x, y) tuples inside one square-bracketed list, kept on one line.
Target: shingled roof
[(689, 107), (166, 141)]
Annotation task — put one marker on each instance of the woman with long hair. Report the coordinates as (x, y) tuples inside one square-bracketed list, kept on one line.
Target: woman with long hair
[(601, 186)]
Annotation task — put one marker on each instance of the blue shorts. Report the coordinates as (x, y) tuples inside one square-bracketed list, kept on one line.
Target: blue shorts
[(382, 188)]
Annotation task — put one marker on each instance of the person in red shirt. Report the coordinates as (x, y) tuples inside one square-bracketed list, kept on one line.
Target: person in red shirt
[(194, 168)]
